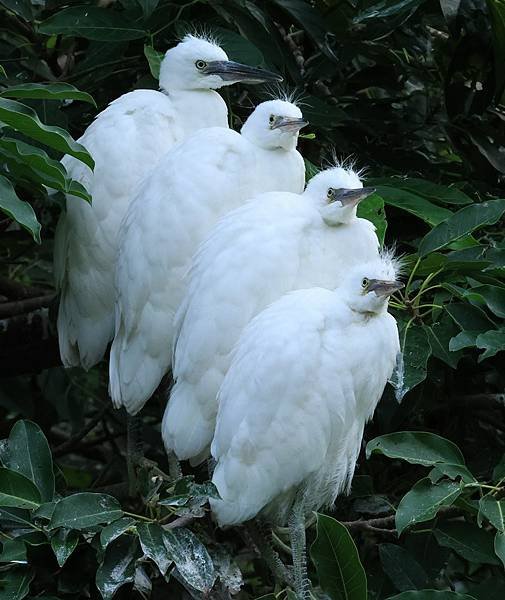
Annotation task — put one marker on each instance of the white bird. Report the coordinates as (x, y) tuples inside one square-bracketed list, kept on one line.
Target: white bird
[(276, 243), (126, 140), (212, 172), (306, 376)]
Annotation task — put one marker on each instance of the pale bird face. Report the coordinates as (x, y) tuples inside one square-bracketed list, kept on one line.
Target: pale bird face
[(368, 287), (274, 124), (196, 63)]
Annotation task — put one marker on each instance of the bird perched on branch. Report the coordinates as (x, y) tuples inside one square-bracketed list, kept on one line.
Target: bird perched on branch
[(200, 180), (126, 140), (307, 374), (276, 243)]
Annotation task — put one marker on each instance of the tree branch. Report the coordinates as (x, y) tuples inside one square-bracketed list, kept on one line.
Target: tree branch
[(20, 307), (18, 291)]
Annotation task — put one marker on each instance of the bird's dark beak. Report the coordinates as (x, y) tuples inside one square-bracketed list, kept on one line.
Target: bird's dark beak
[(289, 124), (233, 71), (352, 197), (384, 288)]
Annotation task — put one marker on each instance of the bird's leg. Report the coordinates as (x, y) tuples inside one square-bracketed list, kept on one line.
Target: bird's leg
[(298, 548), (261, 539), (134, 450)]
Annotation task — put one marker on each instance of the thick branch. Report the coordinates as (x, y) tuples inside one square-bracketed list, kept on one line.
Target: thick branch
[(15, 290), (20, 307)]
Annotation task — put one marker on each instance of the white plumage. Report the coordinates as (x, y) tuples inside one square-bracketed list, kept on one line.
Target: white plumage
[(276, 243), (306, 376), (212, 172), (126, 140)]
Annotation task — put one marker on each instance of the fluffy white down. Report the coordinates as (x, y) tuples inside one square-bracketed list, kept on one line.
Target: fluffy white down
[(200, 180), (306, 376), (126, 140), (274, 244)]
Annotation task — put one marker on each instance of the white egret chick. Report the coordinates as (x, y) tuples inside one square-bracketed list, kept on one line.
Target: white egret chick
[(306, 376), (126, 140), (276, 243), (214, 171)]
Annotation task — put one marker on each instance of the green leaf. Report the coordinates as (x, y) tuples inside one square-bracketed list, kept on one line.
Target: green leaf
[(35, 164), (23, 8), (439, 335), (85, 510), (492, 296), (151, 540), (372, 208), (416, 447), (191, 558), (118, 566), (464, 339), (17, 491), (462, 223), (497, 13), (334, 554), (499, 546), (412, 203), (385, 9), (492, 342), (15, 583), (63, 543), (47, 91), (494, 511), (468, 317), (29, 454), (451, 471), (426, 189), (25, 120), (416, 351), (499, 469), (148, 7), (402, 568), (154, 59), (422, 502), (238, 47), (431, 595), (13, 551), (17, 209), (114, 530), (93, 23), (467, 540)]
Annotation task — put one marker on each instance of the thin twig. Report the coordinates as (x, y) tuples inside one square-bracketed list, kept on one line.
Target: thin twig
[(75, 439)]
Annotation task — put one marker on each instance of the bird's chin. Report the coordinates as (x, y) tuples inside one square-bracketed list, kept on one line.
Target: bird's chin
[(289, 141)]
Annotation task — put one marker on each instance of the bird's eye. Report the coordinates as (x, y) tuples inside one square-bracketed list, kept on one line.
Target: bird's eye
[(200, 64), (271, 119), (364, 283), (330, 193)]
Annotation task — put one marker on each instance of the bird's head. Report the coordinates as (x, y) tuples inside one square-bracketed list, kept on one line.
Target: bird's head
[(274, 124), (337, 192), (368, 286), (197, 63)]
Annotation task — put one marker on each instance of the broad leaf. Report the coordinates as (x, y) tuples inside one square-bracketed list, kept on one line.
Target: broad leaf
[(413, 361), (499, 546), (13, 551), (492, 342), (154, 59), (191, 558), (416, 447), (153, 546), (431, 595), (426, 189), (412, 203), (25, 120), (17, 209), (47, 91), (402, 568), (29, 454), (372, 208), (85, 510), (15, 583), (467, 540), (17, 491), (114, 530), (423, 501), (334, 554), (63, 543), (118, 566), (23, 8), (93, 23), (494, 511), (462, 223)]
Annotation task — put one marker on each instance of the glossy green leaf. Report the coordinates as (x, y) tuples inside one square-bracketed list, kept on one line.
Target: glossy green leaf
[(492, 296), (15, 583), (466, 539), (431, 595), (334, 554), (148, 6), (118, 566), (385, 9), (462, 223), (416, 351), (63, 543), (84, 510), (93, 23), (114, 530), (47, 91), (154, 59), (29, 454), (17, 491), (414, 204), (422, 502), (13, 551), (402, 568), (372, 208), (36, 165), (494, 511), (499, 546), (416, 447), (239, 48), (451, 471), (439, 335), (24, 119), (492, 342), (191, 558), (17, 209), (468, 317), (464, 339), (153, 546), (426, 189), (23, 8)]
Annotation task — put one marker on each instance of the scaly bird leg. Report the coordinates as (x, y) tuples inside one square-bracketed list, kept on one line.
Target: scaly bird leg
[(298, 548), (134, 450)]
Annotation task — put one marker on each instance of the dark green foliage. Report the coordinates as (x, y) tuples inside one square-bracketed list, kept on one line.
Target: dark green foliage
[(414, 90)]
